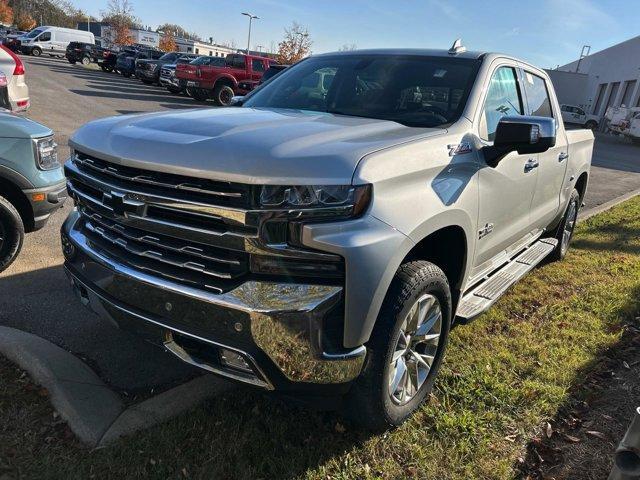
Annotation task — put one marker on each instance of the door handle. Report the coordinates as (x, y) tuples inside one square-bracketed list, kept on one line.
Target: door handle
[(563, 156), (530, 165)]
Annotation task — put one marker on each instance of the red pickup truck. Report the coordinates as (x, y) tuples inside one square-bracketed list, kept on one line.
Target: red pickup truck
[(220, 83)]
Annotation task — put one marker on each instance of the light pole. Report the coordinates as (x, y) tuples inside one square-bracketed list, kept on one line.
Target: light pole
[(251, 18)]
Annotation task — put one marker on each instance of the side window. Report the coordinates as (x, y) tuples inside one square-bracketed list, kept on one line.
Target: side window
[(537, 96), (257, 65), (45, 37), (579, 111), (503, 99), (564, 108)]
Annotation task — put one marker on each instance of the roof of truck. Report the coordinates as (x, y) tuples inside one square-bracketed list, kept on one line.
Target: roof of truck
[(426, 52)]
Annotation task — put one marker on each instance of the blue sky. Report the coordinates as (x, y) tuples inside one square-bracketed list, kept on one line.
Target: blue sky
[(545, 32)]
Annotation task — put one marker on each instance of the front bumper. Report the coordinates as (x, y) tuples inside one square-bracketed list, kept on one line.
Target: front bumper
[(275, 327), (147, 75), (169, 82), (45, 201)]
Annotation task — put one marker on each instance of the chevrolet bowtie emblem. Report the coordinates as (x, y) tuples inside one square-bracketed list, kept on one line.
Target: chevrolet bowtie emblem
[(123, 206)]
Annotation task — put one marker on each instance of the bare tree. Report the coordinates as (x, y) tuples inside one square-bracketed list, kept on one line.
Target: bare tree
[(296, 44), (348, 47)]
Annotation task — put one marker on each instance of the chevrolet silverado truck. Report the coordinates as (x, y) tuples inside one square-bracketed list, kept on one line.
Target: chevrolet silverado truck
[(322, 238), (220, 83), (32, 183)]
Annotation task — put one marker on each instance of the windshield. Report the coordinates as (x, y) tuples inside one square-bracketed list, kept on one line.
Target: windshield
[(169, 57), (34, 33), (412, 90)]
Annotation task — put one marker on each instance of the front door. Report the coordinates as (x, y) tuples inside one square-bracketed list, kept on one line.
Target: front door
[(505, 191), (552, 164)]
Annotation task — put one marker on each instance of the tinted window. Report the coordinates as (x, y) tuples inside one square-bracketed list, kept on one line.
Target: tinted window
[(169, 57), (503, 99), (257, 65), (537, 96), (397, 88), (235, 61), (45, 37)]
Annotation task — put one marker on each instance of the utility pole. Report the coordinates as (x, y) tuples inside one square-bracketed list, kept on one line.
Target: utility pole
[(251, 18)]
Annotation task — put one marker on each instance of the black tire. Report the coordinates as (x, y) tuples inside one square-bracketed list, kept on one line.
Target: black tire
[(11, 233), (36, 52), (174, 90), (369, 402), (222, 95), (563, 247), (146, 82), (72, 62), (591, 125), (86, 61), (198, 94)]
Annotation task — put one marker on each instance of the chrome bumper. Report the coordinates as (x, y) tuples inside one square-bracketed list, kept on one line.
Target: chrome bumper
[(266, 322)]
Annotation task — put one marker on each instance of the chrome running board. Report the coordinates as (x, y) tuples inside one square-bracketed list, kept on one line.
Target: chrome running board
[(484, 294)]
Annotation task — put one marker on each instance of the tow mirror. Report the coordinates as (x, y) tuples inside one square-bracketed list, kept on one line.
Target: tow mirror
[(523, 134)]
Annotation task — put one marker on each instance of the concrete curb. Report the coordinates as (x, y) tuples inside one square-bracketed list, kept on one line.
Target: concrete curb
[(94, 412), (585, 214), (77, 394)]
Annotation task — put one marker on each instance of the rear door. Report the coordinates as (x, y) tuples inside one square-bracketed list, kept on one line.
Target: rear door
[(258, 67), (505, 191), (552, 164)]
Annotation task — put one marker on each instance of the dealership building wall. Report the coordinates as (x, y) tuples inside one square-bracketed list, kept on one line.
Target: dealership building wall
[(610, 77)]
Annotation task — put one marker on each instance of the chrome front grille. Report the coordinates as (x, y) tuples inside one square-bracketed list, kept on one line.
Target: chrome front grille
[(188, 230)]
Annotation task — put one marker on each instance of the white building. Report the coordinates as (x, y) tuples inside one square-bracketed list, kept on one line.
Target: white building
[(610, 77), (107, 34), (202, 48)]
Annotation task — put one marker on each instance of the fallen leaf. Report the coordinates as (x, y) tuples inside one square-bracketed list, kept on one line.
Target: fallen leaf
[(572, 439), (511, 438), (596, 434), (626, 365), (340, 428), (549, 430)]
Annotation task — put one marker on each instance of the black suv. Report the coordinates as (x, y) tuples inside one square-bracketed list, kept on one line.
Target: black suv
[(84, 53), (126, 61), (148, 70)]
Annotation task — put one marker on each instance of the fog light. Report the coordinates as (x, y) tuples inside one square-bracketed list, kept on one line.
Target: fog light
[(235, 360)]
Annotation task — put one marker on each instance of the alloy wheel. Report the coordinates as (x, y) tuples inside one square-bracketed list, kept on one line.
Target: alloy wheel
[(569, 226), (415, 350)]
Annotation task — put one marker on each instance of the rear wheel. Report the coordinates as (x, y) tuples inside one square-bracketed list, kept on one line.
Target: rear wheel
[(591, 125), (564, 233), (11, 233), (36, 52), (86, 61), (406, 348), (222, 95)]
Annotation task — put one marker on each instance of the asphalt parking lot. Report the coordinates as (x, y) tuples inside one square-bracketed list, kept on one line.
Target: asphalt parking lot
[(34, 293)]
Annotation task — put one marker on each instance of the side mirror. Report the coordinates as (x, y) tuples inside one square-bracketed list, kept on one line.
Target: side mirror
[(523, 134), (236, 101)]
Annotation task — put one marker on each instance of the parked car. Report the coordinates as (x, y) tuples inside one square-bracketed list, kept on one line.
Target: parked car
[(12, 67), (109, 60), (220, 83), (32, 184), (126, 60), (52, 40), (169, 78), (11, 41), (324, 236), (4, 92), (577, 116), (148, 70), (84, 53)]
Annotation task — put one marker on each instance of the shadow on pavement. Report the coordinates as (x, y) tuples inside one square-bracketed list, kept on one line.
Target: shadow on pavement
[(42, 302)]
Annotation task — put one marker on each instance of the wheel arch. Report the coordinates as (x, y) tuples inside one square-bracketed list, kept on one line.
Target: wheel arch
[(227, 80), (18, 199), (581, 185)]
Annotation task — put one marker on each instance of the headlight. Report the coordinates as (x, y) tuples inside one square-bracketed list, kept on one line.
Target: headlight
[(46, 150), (306, 197)]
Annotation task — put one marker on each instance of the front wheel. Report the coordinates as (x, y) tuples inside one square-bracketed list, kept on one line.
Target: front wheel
[(406, 348), (222, 95), (11, 233), (591, 125), (36, 52), (564, 233), (72, 62)]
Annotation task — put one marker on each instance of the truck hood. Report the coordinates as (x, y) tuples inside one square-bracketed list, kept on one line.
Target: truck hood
[(244, 145), (14, 126)]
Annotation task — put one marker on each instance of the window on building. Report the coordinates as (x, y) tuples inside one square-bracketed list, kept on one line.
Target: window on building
[(537, 95), (629, 88), (503, 98), (599, 98), (197, 50), (613, 93)]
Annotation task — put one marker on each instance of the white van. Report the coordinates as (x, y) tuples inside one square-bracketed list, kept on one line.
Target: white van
[(52, 40)]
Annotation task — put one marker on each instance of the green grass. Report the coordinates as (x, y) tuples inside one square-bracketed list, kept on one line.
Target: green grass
[(504, 374)]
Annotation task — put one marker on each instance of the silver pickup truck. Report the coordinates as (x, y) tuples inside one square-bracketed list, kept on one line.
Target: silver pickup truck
[(322, 238)]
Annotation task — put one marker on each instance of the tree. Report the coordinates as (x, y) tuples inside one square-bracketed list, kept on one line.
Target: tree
[(25, 22), (168, 43), (119, 15), (6, 13), (296, 44)]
